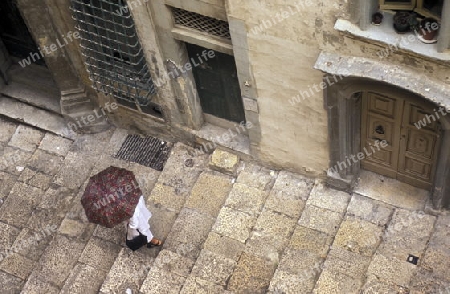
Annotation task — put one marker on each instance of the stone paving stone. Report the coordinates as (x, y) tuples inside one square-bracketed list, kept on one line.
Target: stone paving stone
[(437, 260), (128, 272), (374, 285), (83, 279), (225, 246), (391, 270), (370, 210), (93, 144), (183, 168), (427, 282), (311, 240), (26, 138), (104, 161), (100, 254), (75, 170), (407, 233), (55, 144), (46, 163), (256, 176), (167, 196), (209, 193), (224, 162), (117, 139), (115, 235), (32, 244), (7, 130), (58, 260), (293, 184), (347, 263), (57, 197), (441, 234), (7, 181), (8, 234), (191, 227), (160, 281), (11, 284), (358, 236), (246, 199), (54, 205), (187, 250), (17, 265), (252, 275), (162, 220), (76, 229), (336, 283), (328, 198), (213, 267), (302, 263), (13, 160), (195, 285), (284, 282), (22, 200), (35, 179), (270, 235), (274, 225), (174, 262), (289, 204), (234, 224), (320, 219), (145, 176), (34, 285), (45, 218), (264, 247)]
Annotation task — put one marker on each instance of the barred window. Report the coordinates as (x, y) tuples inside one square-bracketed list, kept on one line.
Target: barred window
[(201, 23), (112, 51)]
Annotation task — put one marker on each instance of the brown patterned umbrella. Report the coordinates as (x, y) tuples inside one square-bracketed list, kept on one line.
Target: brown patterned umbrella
[(111, 196)]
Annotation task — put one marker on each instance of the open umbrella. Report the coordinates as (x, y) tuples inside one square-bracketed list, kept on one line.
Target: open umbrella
[(111, 196)]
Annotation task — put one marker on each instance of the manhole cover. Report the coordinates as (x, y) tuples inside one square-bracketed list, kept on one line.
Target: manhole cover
[(148, 151)]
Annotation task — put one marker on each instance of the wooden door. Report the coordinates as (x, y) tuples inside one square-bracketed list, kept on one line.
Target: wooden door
[(411, 152), (218, 85)]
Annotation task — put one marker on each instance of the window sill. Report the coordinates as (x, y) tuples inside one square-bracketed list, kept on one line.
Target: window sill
[(386, 34), (197, 38)]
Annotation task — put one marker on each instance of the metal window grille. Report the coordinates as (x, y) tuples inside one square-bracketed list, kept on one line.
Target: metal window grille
[(112, 51), (201, 23)]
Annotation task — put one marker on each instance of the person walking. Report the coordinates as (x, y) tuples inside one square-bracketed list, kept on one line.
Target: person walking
[(138, 229)]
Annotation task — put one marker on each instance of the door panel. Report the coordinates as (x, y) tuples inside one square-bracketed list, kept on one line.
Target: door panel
[(418, 147), (379, 124), (218, 85), (412, 152)]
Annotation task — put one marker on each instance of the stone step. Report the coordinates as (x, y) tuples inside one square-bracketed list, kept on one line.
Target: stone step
[(36, 117), (165, 201), (34, 76), (38, 97)]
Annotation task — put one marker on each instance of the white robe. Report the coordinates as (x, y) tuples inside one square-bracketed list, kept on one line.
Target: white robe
[(139, 222)]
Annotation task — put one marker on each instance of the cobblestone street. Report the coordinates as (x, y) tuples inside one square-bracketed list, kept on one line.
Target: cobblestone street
[(229, 226)]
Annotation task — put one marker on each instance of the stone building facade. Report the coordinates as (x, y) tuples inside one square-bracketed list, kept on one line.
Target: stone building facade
[(308, 86)]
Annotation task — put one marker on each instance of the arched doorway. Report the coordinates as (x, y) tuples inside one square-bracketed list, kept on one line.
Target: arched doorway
[(411, 130), (362, 112)]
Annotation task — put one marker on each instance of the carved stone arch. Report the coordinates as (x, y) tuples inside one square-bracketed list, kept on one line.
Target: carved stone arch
[(343, 104)]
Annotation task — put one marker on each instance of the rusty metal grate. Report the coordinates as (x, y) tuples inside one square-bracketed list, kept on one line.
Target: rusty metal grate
[(112, 51), (147, 151), (201, 23)]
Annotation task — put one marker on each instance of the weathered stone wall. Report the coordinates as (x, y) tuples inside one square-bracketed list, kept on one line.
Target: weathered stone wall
[(284, 39), (275, 44)]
